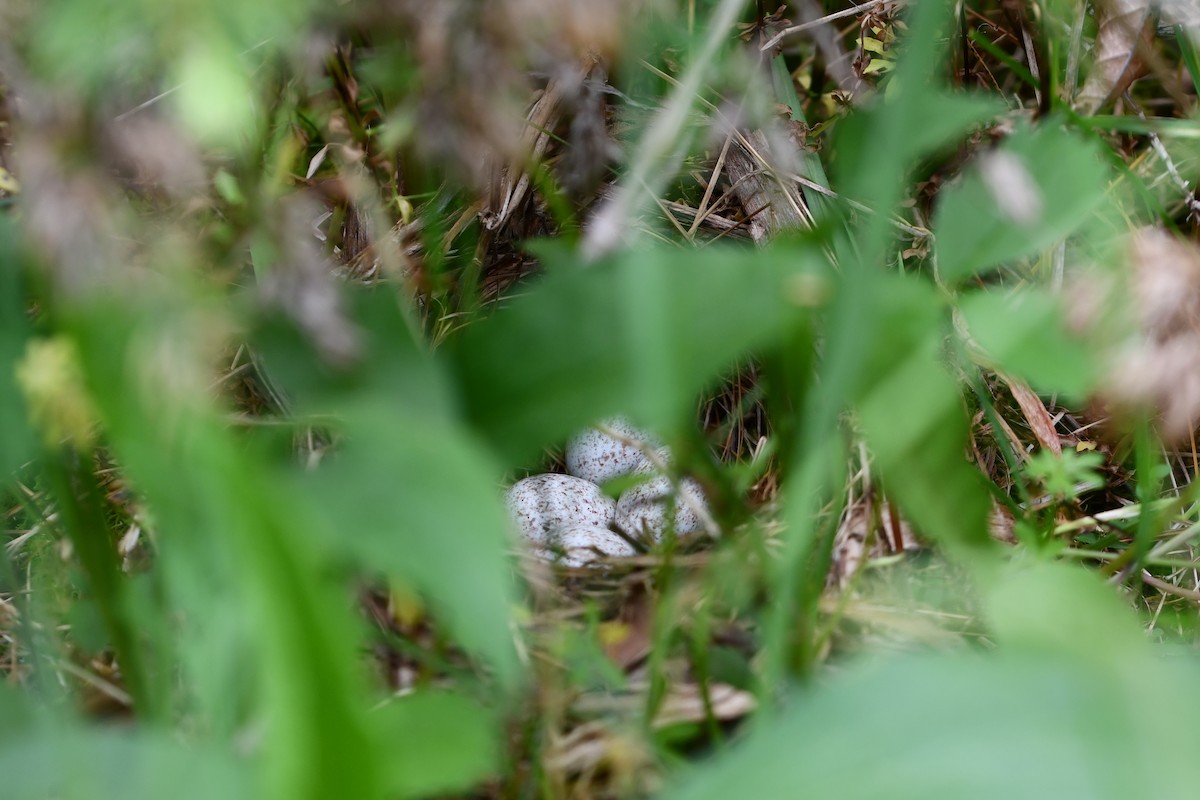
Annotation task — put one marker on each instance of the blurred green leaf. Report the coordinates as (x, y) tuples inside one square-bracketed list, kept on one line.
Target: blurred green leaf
[(916, 427), (17, 711), (235, 515), (642, 334), (1024, 332), (921, 123), (911, 410), (436, 743), (16, 439), (409, 493), (215, 96), (67, 761), (87, 625), (419, 500), (914, 115), (393, 366), (952, 726), (1027, 194), (1042, 716), (139, 35), (1048, 607)]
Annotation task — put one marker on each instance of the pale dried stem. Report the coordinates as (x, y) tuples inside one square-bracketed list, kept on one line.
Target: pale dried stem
[(1170, 588), (702, 210), (849, 12)]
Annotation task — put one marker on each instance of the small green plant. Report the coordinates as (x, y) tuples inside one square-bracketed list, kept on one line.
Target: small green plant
[(1067, 475)]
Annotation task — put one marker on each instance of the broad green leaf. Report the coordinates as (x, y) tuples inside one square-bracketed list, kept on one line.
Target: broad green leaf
[(220, 503), (910, 408), (408, 492), (435, 743), (1052, 607), (952, 726), (421, 501), (916, 427), (1032, 191), (642, 334), (1024, 334), (73, 762), (936, 120), (392, 366)]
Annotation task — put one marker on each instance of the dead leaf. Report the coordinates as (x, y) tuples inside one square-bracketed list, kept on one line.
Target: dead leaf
[(1001, 524), (626, 640), (1039, 419), (686, 704), (1180, 12), (849, 544), (1122, 25)]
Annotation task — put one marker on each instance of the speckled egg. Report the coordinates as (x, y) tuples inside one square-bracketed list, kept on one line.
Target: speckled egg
[(581, 545), (644, 508), (598, 457), (543, 505)]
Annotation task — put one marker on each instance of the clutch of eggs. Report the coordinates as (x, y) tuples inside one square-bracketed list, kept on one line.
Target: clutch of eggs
[(569, 519)]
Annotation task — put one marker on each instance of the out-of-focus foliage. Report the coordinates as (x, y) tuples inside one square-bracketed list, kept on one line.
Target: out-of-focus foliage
[(270, 349), (1017, 200)]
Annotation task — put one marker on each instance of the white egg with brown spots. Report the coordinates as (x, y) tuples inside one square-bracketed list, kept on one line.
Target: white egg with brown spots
[(583, 545), (642, 510), (544, 505), (597, 456)]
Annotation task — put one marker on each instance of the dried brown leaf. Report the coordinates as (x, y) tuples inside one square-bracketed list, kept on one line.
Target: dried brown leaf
[(627, 640), (849, 544), (1123, 24), (1039, 419), (1001, 524), (686, 704)]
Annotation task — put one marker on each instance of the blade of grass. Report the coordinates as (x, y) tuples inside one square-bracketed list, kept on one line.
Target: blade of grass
[(1187, 39), (822, 207), (82, 517)]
